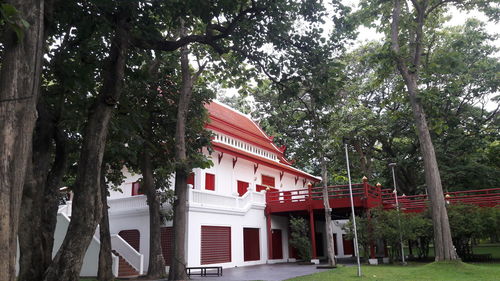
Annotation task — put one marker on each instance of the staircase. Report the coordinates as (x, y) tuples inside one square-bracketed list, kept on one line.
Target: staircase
[(125, 270)]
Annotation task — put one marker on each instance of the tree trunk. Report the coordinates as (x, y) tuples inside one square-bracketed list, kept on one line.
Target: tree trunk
[(105, 267), (19, 89), (178, 266), (32, 263), (443, 243), (86, 211), (156, 268), (332, 261)]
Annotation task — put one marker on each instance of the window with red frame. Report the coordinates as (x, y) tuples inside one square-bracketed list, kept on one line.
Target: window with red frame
[(209, 181), (267, 180), (136, 189)]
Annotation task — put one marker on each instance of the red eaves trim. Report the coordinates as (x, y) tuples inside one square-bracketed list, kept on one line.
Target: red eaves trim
[(259, 160)]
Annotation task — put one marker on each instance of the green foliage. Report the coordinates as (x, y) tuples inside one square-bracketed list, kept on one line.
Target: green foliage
[(10, 17), (299, 237), (470, 223)]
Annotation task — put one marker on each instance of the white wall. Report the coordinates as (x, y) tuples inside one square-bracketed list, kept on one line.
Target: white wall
[(91, 259)]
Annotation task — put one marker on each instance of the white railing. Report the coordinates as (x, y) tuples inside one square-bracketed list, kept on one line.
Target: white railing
[(127, 203), (116, 264), (209, 198), (65, 209), (134, 258)]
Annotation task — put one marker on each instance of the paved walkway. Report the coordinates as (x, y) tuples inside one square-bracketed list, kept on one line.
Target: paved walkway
[(280, 271)]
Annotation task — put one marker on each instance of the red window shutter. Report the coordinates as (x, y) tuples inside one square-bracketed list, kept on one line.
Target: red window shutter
[(190, 179), (267, 180), (277, 244), (136, 189), (132, 236), (215, 244), (251, 244), (167, 237), (209, 181), (259, 187), (242, 187)]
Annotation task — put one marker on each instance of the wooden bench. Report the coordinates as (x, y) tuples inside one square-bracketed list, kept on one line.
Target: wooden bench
[(204, 271)]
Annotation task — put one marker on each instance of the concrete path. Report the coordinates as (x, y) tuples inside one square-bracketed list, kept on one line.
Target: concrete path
[(280, 271)]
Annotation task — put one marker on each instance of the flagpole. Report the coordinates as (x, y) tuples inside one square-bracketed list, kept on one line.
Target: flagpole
[(356, 246)]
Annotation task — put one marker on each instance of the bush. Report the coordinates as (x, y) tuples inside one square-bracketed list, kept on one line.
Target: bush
[(300, 239)]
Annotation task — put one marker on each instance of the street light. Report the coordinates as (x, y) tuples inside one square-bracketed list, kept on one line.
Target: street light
[(392, 165), (356, 246)]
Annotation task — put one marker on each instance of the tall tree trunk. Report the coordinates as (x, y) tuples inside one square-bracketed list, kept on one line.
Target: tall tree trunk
[(19, 89), (332, 261), (86, 211), (156, 267), (178, 266), (104, 270), (443, 242), (32, 263)]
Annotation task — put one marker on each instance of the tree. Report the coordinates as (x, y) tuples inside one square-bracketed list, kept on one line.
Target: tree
[(408, 30), (299, 237), (22, 42)]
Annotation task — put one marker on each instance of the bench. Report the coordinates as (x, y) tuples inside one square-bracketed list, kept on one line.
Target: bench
[(204, 271)]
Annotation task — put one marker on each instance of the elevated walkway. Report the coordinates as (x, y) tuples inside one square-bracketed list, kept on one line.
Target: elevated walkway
[(366, 196)]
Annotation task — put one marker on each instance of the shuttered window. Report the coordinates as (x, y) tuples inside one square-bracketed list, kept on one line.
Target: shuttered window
[(190, 179), (215, 244), (132, 236), (242, 187), (267, 180), (209, 181), (167, 237), (136, 189)]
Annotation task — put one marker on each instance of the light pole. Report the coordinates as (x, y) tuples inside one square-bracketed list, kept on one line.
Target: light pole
[(356, 246), (392, 165)]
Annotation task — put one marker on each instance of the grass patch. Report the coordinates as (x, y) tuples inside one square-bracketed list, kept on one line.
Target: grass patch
[(456, 271)]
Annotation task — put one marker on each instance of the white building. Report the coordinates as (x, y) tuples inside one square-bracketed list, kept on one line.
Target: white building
[(228, 222)]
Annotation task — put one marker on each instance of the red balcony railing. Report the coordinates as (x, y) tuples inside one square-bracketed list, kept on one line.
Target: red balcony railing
[(368, 196)]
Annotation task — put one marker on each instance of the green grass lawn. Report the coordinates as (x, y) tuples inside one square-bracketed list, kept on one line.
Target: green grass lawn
[(439, 271)]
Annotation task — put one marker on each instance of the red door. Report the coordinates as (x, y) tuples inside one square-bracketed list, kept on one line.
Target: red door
[(215, 244), (251, 244), (277, 244), (132, 236), (167, 236), (242, 187), (348, 245)]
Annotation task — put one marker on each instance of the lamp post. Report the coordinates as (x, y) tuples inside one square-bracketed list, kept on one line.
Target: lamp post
[(356, 246), (392, 165)]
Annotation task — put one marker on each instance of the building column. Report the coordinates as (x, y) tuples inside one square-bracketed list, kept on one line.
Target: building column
[(313, 234), (269, 237)]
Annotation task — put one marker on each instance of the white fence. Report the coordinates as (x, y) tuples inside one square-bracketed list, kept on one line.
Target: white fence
[(127, 203), (209, 198)]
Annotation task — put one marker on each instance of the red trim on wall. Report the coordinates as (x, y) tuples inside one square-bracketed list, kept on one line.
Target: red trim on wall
[(209, 181), (260, 160)]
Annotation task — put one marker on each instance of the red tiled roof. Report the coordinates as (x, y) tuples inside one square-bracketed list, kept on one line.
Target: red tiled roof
[(234, 123)]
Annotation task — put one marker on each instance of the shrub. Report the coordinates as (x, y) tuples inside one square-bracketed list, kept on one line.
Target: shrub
[(299, 237)]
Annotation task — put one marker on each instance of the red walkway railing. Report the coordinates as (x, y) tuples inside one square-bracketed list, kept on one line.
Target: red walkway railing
[(368, 196)]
